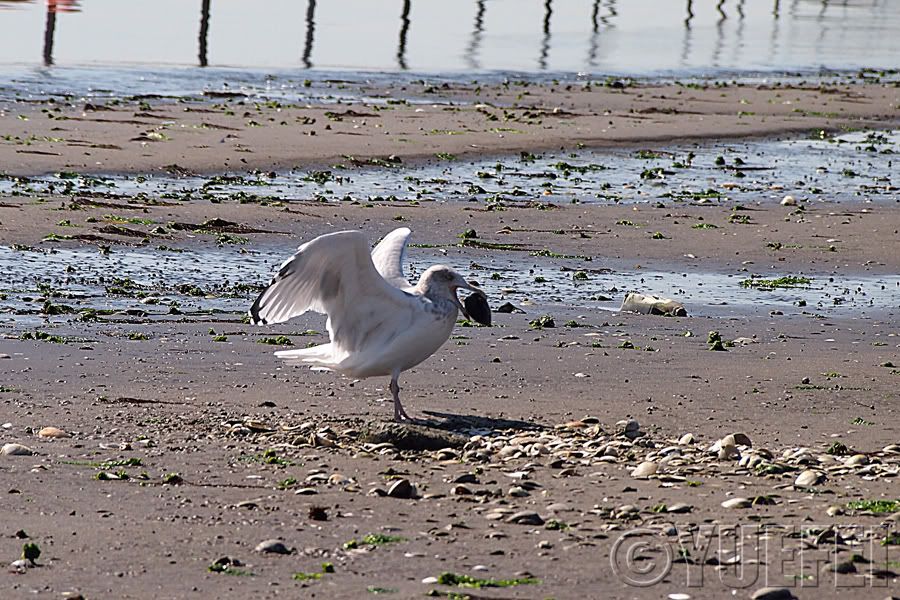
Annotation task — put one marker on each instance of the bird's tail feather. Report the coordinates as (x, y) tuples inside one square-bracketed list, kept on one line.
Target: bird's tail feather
[(317, 357)]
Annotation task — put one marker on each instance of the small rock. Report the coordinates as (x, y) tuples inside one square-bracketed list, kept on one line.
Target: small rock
[(843, 567), (645, 469), (517, 491), (728, 452), (53, 432), (833, 511), (742, 439), (679, 596), (430, 580), (857, 460), (808, 478), (772, 593), (460, 490), (338, 479), (789, 201), (272, 547), (737, 503), (401, 488), (16, 450), (686, 440), (525, 518), (680, 507), (306, 491)]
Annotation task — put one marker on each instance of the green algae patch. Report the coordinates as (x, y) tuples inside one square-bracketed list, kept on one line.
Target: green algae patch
[(448, 578), (789, 281), (878, 507)]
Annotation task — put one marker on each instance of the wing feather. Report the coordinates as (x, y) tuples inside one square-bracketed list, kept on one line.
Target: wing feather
[(389, 255), (334, 274)]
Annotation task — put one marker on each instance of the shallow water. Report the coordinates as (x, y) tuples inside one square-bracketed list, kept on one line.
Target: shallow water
[(852, 167), (202, 283), (163, 46)]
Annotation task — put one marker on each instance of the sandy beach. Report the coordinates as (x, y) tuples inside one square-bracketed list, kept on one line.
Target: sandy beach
[(549, 450)]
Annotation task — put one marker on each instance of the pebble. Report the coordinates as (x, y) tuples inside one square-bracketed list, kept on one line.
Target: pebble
[(728, 452), (809, 478), (525, 518), (272, 547), (686, 440), (53, 432), (857, 460), (430, 580), (833, 511), (306, 491), (789, 201), (338, 479), (772, 593), (460, 490), (16, 450), (680, 507), (679, 596), (737, 503), (401, 488), (517, 491), (645, 469), (842, 567)]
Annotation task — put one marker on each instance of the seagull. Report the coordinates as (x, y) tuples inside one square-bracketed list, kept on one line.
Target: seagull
[(378, 322)]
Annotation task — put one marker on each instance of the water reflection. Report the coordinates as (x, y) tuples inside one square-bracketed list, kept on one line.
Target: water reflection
[(204, 33), (310, 34), (404, 31), (545, 41), (643, 35)]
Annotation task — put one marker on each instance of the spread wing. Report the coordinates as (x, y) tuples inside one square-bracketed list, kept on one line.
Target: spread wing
[(333, 274), (389, 255)]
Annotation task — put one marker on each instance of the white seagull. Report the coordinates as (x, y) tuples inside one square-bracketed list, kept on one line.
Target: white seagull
[(379, 323)]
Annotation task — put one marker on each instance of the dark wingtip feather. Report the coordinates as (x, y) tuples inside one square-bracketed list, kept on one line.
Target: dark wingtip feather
[(254, 311)]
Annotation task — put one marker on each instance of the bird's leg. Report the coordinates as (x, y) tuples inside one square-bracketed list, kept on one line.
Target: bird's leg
[(399, 413)]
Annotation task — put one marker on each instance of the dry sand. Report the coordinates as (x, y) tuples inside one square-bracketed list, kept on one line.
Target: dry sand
[(244, 434)]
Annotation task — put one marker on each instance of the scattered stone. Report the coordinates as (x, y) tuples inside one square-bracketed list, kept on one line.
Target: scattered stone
[(833, 511), (53, 432), (686, 440), (789, 201), (842, 568), (460, 490), (645, 469), (306, 491), (526, 518), (857, 460), (809, 478), (338, 479), (272, 547), (680, 507), (430, 580), (16, 450), (317, 513), (772, 593), (737, 503), (401, 488)]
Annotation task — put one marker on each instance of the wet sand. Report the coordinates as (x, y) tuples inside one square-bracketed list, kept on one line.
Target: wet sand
[(244, 433), (235, 133)]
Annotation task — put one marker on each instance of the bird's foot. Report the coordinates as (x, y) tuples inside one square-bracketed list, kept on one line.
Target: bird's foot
[(400, 416)]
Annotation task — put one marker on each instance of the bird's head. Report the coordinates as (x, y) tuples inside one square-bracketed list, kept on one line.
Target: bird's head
[(443, 281)]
